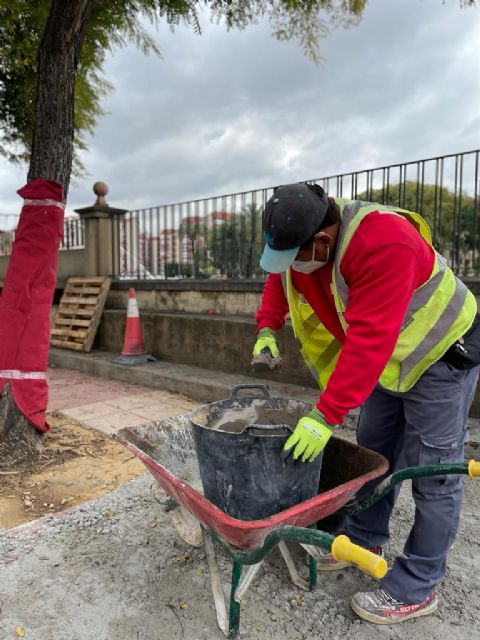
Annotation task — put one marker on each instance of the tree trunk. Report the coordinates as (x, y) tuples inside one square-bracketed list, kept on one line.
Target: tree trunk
[(53, 132), (18, 440), (51, 159)]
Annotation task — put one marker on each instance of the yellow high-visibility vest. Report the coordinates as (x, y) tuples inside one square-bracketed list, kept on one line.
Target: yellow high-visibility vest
[(440, 311)]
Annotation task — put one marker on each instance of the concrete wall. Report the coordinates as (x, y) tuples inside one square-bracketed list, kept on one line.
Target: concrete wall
[(220, 297), (224, 343), (71, 262), (221, 341)]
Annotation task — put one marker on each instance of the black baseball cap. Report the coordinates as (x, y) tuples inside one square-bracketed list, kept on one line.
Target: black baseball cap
[(291, 217)]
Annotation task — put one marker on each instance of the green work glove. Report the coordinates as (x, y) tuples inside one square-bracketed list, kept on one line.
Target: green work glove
[(266, 340), (309, 437), (265, 352)]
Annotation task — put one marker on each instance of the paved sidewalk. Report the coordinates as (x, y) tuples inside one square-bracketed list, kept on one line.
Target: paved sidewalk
[(110, 405), (105, 399)]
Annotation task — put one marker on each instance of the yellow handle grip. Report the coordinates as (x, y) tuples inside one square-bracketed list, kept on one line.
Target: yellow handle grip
[(366, 561), (474, 469)]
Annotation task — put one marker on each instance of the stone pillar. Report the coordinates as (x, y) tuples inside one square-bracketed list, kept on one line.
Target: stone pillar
[(102, 235)]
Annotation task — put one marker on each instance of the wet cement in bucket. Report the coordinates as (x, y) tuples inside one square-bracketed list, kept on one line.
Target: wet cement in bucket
[(236, 420), (242, 462)]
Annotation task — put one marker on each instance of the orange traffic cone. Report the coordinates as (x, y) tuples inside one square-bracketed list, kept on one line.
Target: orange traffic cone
[(133, 351)]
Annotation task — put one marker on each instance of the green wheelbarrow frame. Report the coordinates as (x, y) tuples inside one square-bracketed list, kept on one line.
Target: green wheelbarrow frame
[(366, 561), (247, 543)]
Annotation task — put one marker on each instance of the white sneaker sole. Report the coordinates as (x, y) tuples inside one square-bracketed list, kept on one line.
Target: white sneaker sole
[(371, 617)]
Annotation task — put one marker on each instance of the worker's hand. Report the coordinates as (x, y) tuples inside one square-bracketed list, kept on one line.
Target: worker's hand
[(265, 352), (309, 437), (266, 340)]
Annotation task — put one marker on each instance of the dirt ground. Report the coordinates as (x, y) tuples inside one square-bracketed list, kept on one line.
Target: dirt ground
[(77, 464), (116, 568)]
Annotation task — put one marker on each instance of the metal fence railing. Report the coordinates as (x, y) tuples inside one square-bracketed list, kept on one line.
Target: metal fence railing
[(215, 237), (73, 237), (6, 240), (221, 237), (73, 234)]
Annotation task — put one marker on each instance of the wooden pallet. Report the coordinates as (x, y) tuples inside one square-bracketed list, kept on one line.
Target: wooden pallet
[(79, 313)]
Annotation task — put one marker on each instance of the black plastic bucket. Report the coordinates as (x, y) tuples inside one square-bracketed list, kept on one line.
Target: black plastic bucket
[(239, 443)]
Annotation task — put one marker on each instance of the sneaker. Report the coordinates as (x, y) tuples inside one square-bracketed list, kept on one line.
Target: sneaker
[(381, 608), (328, 563)]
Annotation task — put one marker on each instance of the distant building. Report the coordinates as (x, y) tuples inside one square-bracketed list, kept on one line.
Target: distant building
[(152, 252)]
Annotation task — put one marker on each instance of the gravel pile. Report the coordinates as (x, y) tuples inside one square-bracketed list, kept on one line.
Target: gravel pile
[(115, 568)]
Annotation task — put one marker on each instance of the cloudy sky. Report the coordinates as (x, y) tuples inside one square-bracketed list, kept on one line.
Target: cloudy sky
[(233, 111)]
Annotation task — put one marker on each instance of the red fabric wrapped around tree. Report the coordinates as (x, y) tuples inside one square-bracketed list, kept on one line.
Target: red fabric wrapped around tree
[(26, 299)]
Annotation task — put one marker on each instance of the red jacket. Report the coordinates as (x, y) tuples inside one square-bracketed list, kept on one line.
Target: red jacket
[(384, 263)]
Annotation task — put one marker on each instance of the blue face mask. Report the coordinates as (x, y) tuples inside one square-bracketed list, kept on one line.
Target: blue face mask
[(309, 266)]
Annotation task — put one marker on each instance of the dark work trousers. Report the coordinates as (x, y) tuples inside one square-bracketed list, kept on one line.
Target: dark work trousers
[(425, 425)]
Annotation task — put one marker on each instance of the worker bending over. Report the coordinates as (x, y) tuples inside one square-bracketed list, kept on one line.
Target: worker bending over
[(384, 324)]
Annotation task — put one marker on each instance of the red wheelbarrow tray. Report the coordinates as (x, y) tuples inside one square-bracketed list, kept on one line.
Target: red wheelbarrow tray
[(346, 468)]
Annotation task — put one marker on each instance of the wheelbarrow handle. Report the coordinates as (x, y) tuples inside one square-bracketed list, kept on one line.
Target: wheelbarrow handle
[(474, 469), (340, 547), (471, 468), (372, 564)]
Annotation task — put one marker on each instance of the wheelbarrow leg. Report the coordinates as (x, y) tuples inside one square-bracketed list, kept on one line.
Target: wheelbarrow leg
[(312, 572), (314, 554), (252, 571), (187, 526), (234, 623), (230, 625), (247, 580), (296, 578), (218, 595)]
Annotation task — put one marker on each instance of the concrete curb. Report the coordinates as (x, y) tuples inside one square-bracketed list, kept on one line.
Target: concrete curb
[(204, 385)]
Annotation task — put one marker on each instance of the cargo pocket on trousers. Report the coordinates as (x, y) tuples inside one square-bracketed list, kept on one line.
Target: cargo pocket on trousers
[(456, 375), (439, 485)]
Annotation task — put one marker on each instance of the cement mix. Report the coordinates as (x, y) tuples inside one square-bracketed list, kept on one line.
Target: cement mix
[(116, 568)]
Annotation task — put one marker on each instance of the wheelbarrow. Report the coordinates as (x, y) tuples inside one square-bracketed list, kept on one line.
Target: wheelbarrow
[(167, 448)]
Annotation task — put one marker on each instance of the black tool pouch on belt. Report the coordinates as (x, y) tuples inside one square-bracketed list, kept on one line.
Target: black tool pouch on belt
[(466, 355)]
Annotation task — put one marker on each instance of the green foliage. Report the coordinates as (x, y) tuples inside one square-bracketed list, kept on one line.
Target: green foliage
[(178, 269), (451, 216), (21, 23), (304, 20), (115, 23), (227, 248), (237, 244)]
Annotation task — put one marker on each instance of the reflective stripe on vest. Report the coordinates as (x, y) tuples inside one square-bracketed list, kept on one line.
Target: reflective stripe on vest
[(440, 311), (319, 348)]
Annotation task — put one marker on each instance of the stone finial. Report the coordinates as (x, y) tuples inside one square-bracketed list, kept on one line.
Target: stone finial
[(100, 189)]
